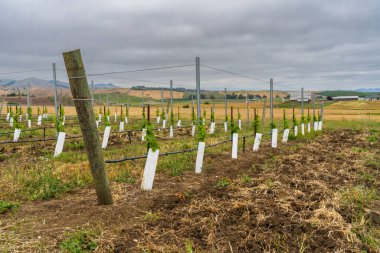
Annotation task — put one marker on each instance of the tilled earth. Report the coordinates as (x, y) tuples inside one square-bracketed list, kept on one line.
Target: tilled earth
[(275, 200)]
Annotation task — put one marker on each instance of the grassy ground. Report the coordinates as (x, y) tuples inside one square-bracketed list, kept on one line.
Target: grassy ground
[(324, 186), (339, 198)]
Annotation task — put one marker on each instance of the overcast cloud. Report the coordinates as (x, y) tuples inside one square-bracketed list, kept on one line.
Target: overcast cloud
[(313, 44)]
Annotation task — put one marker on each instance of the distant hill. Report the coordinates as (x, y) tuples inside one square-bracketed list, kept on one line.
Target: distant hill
[(40, 83), (32, 82), (368, 90)]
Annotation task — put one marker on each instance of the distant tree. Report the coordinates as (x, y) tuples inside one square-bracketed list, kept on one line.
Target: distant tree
[(139, 87), (231, 96)]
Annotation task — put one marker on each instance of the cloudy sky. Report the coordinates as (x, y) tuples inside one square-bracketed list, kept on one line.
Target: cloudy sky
[(320, 44)]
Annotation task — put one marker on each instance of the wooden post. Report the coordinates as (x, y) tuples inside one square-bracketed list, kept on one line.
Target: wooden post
[(232, 119), (148, 114), (254, 126), (82, 100), (129, 137), (247, 109)]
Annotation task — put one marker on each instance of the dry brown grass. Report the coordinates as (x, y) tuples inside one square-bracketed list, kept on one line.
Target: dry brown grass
[(365, 110)]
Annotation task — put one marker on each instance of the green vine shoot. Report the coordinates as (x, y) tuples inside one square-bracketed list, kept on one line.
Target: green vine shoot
[(201, 133)]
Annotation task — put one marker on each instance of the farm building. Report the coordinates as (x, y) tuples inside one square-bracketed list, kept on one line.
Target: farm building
[(297, 96), (345, 98), (372, 97)]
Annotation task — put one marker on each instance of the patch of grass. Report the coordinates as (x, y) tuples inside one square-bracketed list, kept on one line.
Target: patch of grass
[(125, 177), (3, 157), (151, 217), (224, 182), (70, 157), (246, 179), (177, 164), (372, 138), (80, 241), (269, 183), (373, 135), (279, 242), (359, 150), (7, 206), (301, 244), (358, 198), (255, 167), (75, 145), (295, 147), (43, 184), (292, 137), (369, 235), (188, 246), (270, 162), (372, 163), (367, 178)]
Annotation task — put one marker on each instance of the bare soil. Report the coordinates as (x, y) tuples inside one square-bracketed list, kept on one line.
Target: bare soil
[(275, 200)]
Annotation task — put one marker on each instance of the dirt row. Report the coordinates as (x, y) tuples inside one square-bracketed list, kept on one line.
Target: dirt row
[(275, 200)]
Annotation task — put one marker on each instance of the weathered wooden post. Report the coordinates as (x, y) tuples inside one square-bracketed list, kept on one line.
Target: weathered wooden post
[(247, 109), (255, 123), (271, 101), (82, 100)]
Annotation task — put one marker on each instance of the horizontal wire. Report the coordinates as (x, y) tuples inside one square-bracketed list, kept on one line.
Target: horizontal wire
[(25, 71), (283, 86), (144, 81), (234, 73), (140, 70)]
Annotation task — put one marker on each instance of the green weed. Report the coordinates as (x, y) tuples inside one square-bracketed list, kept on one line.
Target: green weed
[(7, 206), (374, 135), (280, 242), (359, 150), (373, 163), (43, 184), (224, 182), (246, 179), (369, 235), (75, 145), (176, 165), (125, 177), (71, 157), (367, 178), (358, 198), (80, 241), (188, 246), (151, 217), (269, 183)]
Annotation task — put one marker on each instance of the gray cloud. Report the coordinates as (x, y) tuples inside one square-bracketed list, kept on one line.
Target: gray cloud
[(300, 43)]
